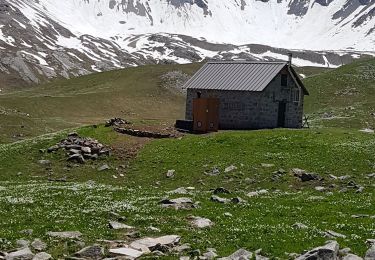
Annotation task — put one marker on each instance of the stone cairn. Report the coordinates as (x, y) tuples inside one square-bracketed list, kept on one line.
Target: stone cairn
[(116, 121), (80, 149)]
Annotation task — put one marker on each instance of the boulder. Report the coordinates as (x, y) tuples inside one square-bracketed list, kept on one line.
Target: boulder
[(240, 254), (42, 256), (352, 257), (298, 225), (104, 167), (149, 243), (126, 252), (333, 234), (22, 243), (170, 173), (91, 252), (22, 254), (370, 254), (327, 252), (305, 176), (78, 158), (45, 162), (85, 149), (38, 245), (117, 225), (65, 234), (199, 222), (221, 190), (53, 148), (230, 168), (219, 199), (179, 203)]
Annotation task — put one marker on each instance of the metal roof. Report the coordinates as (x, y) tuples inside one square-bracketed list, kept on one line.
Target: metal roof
[(235, 75)]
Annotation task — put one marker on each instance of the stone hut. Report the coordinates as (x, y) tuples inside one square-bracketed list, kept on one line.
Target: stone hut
[(248, 95)]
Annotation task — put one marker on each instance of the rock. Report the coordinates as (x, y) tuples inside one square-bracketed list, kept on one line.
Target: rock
[(371, 175), (214, 172), (305, 176), (117, 225), (27, 232), (53, 149), (179, 203), (125, 251), (170, 173), (180, 190), (257, 193), (91, 252), (237, 200), (23, 254), (240, 254), (352, 257), (200, 222), (78, 158), (367, 130), (360, 189), (149, 243), (345, 177), (230, 168), (221, 190), (210, 255), (260, 257), (319, 188), (344, 251), (360, 216), (298, 225), (370, 242), (227, 214), (65, 234), (333, 234), (38, 245), (104, 167), (267, 165), (45, 162), (181, 248), (326, 252), (219, 199), (155, 229), (22, 243), (85, 149), (333, 177), (42, 256), (370, 254)]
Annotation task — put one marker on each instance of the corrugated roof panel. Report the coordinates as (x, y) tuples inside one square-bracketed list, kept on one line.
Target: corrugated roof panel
[(235, 75)]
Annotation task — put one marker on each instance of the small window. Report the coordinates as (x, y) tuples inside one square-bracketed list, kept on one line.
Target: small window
[(295, 95), (284, 80)]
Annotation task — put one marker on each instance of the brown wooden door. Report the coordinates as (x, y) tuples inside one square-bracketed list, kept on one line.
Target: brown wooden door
[(206, 114), (213, 115)]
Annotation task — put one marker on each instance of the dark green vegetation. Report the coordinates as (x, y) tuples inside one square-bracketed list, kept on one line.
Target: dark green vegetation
[(83, 202)]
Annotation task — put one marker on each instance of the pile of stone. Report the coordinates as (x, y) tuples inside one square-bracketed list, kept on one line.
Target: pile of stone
[(116, 121), (80, 149), (141, 133), (306, 176), (156, 246)]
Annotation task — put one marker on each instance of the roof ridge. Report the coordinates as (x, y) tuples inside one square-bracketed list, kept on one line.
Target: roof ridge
[(250, 62)]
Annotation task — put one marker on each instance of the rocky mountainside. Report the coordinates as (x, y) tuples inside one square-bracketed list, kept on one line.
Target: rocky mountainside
[(42, 39)]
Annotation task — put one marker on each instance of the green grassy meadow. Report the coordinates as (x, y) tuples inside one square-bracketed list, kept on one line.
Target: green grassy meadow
[(69, 197), (85, 200)]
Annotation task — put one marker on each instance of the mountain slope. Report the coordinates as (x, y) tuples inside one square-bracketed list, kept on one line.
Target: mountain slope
[(340, 97), (46, 39)]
